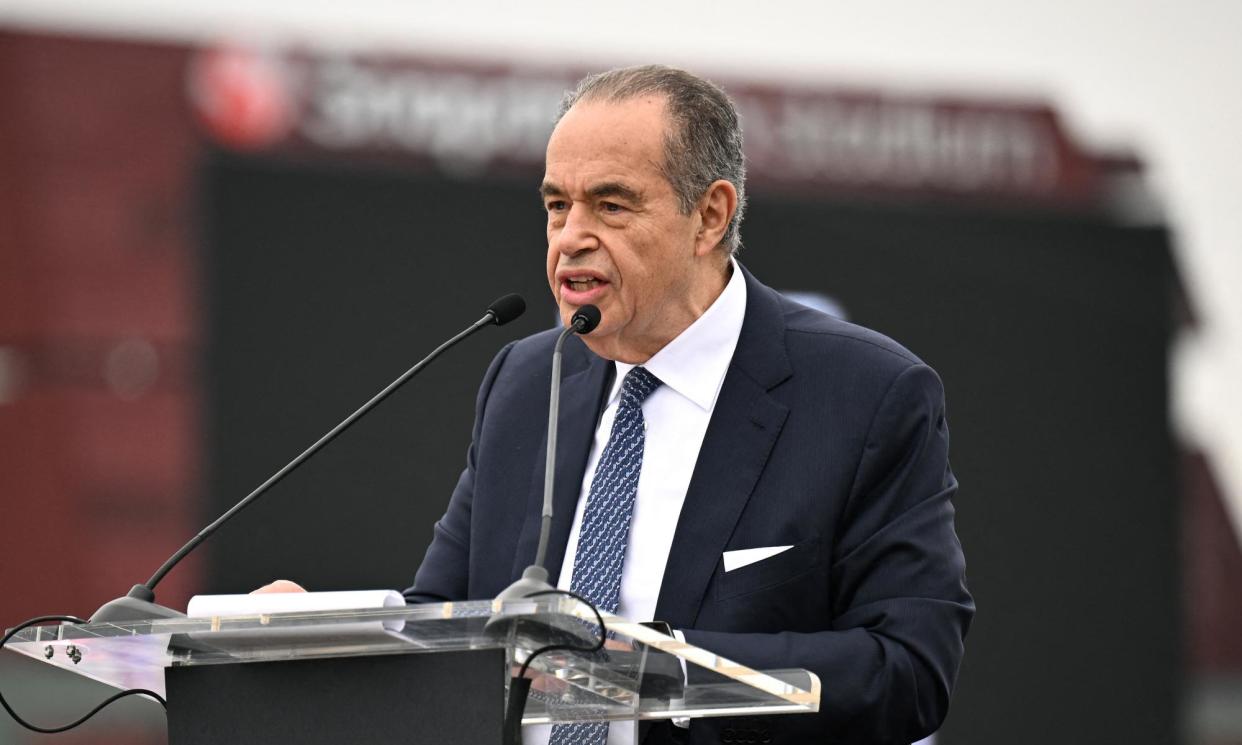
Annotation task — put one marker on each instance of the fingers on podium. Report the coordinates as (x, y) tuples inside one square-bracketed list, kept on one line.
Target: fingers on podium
[(280, 585)]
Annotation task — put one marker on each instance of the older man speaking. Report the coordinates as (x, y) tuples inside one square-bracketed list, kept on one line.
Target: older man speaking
[(772, 482)]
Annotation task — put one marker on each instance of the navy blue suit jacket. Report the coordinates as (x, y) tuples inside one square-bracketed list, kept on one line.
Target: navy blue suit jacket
[(827, 437)]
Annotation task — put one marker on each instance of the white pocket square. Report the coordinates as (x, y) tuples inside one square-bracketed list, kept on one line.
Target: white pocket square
[(738, 559)]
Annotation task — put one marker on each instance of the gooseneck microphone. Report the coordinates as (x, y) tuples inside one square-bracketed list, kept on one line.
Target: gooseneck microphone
[(140, 604), (535, 578)]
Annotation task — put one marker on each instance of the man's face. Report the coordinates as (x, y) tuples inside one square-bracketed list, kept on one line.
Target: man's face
[(616, 238)]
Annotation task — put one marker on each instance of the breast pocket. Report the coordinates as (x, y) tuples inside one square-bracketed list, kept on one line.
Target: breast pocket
[(770, 572)]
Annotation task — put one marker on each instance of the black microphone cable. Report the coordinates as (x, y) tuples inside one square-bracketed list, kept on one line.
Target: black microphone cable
[(519, 685), (63, 728)]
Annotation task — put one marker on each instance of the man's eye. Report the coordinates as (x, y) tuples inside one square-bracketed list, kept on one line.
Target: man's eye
[(611, 207), (556, 205)]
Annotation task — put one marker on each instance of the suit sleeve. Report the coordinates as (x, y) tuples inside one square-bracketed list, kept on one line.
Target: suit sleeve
[(444, 573), (900, 607)]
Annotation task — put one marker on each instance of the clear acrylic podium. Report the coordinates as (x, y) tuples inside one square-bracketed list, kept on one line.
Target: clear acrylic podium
[(420, 673)]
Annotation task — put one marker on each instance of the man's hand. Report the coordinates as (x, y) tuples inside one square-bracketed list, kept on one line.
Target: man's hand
[(280, 585)]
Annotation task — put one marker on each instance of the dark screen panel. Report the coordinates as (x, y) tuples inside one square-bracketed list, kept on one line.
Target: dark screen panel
[(1049, 331), (324, 286)]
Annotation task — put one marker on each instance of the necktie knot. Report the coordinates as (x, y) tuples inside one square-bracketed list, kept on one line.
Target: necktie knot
[(639, 383)]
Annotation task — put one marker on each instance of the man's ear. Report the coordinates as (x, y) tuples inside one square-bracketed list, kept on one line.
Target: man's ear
[(716, 210)]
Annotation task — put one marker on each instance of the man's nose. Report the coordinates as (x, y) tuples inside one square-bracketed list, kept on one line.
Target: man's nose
[(578, 233)]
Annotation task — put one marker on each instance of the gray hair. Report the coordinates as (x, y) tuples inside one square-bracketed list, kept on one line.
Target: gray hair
[(703, 145)]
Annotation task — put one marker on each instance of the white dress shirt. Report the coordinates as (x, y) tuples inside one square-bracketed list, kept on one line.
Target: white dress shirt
[(692, 368)]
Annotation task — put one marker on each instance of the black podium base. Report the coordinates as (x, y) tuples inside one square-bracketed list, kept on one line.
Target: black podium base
[(442, 698)]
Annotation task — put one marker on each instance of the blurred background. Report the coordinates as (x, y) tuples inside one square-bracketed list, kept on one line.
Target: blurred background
[(224, 225)]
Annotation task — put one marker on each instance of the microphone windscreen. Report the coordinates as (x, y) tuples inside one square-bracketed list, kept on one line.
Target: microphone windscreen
[(586, 319), (507, 308)]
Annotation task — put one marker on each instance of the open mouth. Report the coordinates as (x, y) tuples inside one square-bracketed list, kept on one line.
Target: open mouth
[(583, 284)]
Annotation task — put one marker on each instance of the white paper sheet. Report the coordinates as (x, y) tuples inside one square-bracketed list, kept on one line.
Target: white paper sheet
[(207, 606)]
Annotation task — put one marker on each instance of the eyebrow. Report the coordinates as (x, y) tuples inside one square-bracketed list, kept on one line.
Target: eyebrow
[(549, 189), (615, 189), (598, 191)]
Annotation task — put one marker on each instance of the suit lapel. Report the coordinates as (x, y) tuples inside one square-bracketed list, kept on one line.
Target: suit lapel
[(744, 427), (583, 386)]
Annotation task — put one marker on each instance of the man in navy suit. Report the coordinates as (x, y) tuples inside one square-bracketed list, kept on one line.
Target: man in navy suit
[(793, 507)]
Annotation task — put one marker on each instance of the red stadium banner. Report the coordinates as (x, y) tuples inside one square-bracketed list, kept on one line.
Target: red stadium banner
[(476, 119)]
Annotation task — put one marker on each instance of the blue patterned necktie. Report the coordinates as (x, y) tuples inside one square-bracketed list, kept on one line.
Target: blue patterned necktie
[(606, 524)]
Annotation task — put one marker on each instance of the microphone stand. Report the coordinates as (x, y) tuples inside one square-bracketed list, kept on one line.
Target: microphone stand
[(535, 578), (139, 604)]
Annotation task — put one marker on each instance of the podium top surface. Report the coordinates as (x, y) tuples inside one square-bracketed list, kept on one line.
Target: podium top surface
[(643, 674)]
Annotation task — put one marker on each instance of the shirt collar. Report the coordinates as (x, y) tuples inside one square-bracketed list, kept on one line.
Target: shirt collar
[(694, 364)]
